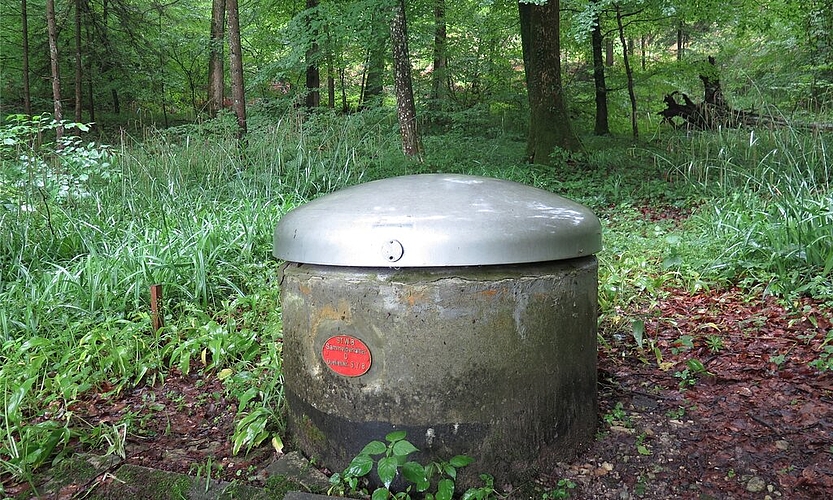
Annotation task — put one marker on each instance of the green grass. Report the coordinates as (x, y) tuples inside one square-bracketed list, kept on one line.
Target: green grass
[(85, 230)]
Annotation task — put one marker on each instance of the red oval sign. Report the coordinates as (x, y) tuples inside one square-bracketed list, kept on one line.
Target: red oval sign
[(346, 355)]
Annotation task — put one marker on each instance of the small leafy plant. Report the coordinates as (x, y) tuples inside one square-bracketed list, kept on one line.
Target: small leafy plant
[(688, 376), (393, 461), (561, 490)]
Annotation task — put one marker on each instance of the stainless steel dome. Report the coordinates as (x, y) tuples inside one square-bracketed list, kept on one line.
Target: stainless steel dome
[(439, 220)]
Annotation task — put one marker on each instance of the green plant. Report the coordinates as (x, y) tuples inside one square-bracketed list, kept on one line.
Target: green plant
[(617, 415), (688, 376), (676, 414), (393, 462), (682, 344), (561, 490), (641, 448), (825, 360), (714, 343)]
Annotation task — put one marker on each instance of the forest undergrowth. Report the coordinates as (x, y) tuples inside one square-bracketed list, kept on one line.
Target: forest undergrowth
[(87, 228)]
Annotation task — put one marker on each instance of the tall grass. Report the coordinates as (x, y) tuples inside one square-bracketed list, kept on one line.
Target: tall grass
[(771, 220), (82, 241)]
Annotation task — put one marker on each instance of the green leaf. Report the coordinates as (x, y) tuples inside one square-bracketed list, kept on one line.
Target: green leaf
[(387, 470), (461, 461), (380, 494), (445, 489), (696, 365), (396, 436), (450, 471), (404, 448), (373, 448), (415, 473), (359, 466), (638, 331)]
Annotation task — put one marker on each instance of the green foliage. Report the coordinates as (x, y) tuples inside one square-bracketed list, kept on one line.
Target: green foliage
[(393, 463), (772, 218), (561, 490), (688, 376), (824, 363)]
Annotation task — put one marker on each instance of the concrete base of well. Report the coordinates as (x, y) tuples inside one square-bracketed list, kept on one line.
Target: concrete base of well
[(494, 362)]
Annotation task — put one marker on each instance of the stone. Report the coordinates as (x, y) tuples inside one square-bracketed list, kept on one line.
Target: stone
[(755, 485), (293, 465)]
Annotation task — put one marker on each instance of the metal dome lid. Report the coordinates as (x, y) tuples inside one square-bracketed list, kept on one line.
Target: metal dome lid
[(441, 220)]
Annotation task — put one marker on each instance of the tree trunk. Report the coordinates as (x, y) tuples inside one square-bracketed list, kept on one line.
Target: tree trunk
[(643, 43), (438, 76), (52, 31), (216, 69), (331, 82), (313, 99), (161, 75), (680, 41), (238, 92), (79, 73), (89, 40), (609, 52), (602, 126), (628, 72), (372, 92), (549, 124), (405, 106), (27, 94)]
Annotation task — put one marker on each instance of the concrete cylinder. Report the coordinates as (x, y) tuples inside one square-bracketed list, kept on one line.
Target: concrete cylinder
[(459, 309), (496, 362)]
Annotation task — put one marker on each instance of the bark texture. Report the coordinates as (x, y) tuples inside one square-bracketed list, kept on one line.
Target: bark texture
[(405, 106), (216, 68), (602, 125), (79, 73), (236, 63), (313, 76), (27, 93), (549, 124)]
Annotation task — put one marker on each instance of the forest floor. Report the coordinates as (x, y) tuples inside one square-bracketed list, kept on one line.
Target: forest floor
[(719, 402)]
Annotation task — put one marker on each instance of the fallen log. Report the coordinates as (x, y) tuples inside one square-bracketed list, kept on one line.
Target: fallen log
[(714, 112)]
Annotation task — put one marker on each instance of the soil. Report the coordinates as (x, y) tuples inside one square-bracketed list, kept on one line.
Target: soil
[(719, 402)]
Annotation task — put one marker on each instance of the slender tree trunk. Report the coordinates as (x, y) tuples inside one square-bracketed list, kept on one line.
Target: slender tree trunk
[(438, 77), (341, 78), (52, 31), (313, 99), (216, 69), (107, 64), (27, 93), (88, 40), (549, 124), (680, 40), (372, 92), (628, 72), (161, 75), (405, 106), (331, 86), (609, 56), (236, 64), (79, 73), (643, 44), (331, 74), (602, 126)]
